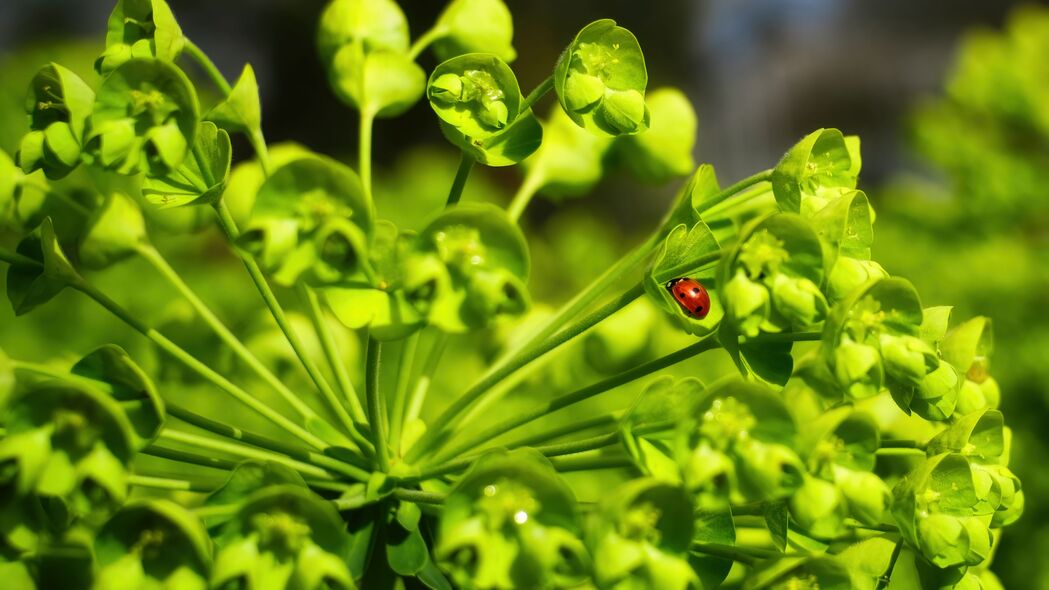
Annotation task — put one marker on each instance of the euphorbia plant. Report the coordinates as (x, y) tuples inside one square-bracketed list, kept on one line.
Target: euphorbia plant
[(854, 444)]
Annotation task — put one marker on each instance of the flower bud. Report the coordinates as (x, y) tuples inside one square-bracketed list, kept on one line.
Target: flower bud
[(858, 369), (140, 29), (936, 397), (768, 471), (818, 506), (799, 301), (58, 105), (747, 303), (867, 495), (848, 274), (906, 358)]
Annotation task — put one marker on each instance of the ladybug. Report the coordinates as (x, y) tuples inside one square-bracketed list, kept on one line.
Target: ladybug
[(691, 296)]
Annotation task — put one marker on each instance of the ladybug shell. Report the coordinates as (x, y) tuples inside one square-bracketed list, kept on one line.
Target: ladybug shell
[(691, 296)]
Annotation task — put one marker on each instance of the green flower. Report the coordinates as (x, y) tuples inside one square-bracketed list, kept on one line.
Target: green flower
[(58, 105), (140, 29), (144, 120), (476, 93), (510, 522), (601, 78), (820, 166)]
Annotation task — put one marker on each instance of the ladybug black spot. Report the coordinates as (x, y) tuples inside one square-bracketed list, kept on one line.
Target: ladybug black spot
[(681, 296), (695, 289)]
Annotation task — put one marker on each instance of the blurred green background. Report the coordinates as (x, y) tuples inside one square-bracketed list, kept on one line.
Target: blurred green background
[(951, 103)]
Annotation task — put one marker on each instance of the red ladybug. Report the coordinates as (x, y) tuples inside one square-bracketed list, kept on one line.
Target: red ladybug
[(691, 296)]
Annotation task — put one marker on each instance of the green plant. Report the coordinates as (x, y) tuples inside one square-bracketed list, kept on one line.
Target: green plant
[(856, 442)]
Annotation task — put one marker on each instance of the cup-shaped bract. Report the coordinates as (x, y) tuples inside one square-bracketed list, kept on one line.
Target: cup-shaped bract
[(821, 165), (486, 264), (476, 93), (310, 214), (377, 83), (601, 79), (31, 285), (374, 25), (687, 252), (128, 384), (115, 232), (664, 151), (819, 507), (641, 535), (66, 443), (58, 105), (199, 180), (144, 119), (153, 543), (283, 536), (511, 522), (140, 28), (939, 510), (569, 161), (471, 26)]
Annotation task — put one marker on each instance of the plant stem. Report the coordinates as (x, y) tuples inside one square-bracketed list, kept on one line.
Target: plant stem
[(371, 391), (898, 451), (886, 578), (364, 154), (229, 226), (466, 164), (158, 262), (166, 483), (196, 366), (331, 352), (445, 421), (239, 450), (209, 67), (14, 258), (533, 181), (258, 143), (419, 496), (355, 469), (425, 40), (190, 458), (584, 393), (422, 384), (400, 392), (565, 430), (590, 462), (899, 443), (537, 93), (708, 206)]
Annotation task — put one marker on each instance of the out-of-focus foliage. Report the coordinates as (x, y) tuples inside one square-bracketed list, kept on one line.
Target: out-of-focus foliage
[(976, 234)]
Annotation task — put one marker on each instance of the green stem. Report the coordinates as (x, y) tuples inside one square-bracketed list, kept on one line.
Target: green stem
[(331, 352), (258, 143), (167, 483), (886, 578), (425, 40), (533, 181), (899, 443), (565, 430), (400, 394), (786, 337), (229, 226), (419, 496), (590, 462), (524, 417), (196, 366), (364, 154), (466, 164), (239, 450), (14, 258), (422, 384), (375, 411), (447, 418), (898, 451), (537, 93), (355, 469), (190, 458), (709, 206), (209, 67), (154, 257)]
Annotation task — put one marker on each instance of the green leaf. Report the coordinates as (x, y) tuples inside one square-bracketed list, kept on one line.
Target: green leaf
[(979, 436), (157, 539), (601, 78), (58, 105), (389, 315), (406, 550), (196, 181), (131, 387), (248, 478), (820, 571), (379, 83), (140, 28), (7, 378), (506, 148), (241, 110), (712, 527), (681, 248), (115, 232), (969, 347), (664, 151), (845, 224), (376, 25), (776, 518), (144, 119), (469, 26), (821, 163), (29, 286)]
